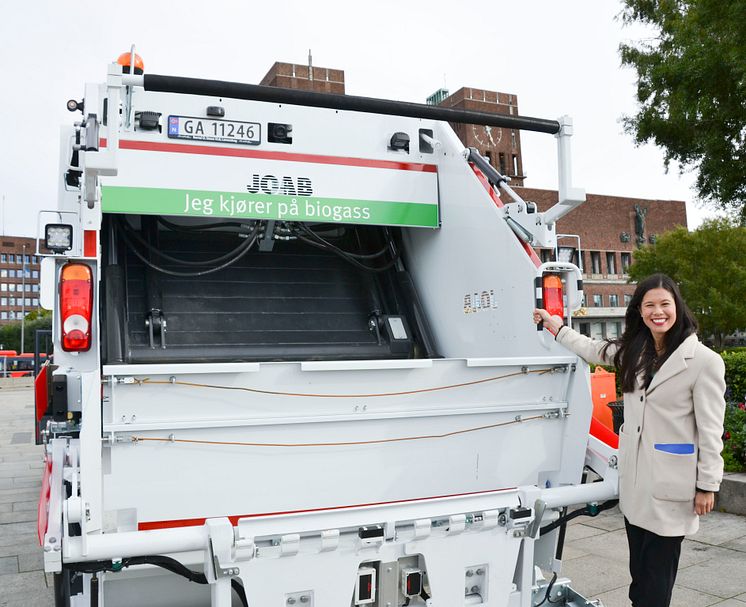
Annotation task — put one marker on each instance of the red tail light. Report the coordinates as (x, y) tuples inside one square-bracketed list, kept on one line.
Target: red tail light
[(76, 305), (552, 295)]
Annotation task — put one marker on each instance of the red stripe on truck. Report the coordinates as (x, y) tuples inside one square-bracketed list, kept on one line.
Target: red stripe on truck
[(183, 148), (499, 204)]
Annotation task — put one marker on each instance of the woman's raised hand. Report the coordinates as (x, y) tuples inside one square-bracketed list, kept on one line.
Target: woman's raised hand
[(551, 323)]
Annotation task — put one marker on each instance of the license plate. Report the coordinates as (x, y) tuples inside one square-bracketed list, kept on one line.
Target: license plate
[(207, 129)]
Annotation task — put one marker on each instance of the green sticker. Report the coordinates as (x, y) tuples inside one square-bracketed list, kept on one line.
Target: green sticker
[(199, 203)]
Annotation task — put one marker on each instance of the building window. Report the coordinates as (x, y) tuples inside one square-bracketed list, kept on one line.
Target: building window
[(3, 257), (627, 299), (27, 273), (3, 316), (35, 274), (35, 302), (3, 273), (503, 167), (595, 262), (26, 259), (597, 301), (12, 287), (27, 301), (626, 262), (585, 329), (12, 315), (488, 156), (12, 301), (34, 288), (4, 286), (546, 255), (34, 259), (614, 300), (515, 165), (11, 258), (611, 263), (3, 301), (11, 273), (512, 139)]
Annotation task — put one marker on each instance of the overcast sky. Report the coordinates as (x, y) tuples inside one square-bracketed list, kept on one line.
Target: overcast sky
[(557, 57)]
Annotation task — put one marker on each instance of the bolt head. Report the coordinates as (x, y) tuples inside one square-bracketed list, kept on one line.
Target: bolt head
[(304, 599), (469, 573), (291, 601)]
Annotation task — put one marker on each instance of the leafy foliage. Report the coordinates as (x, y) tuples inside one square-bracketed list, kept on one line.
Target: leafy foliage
[(10, 334), (691, 90), (735, 375), (734, 438), (708, 264)]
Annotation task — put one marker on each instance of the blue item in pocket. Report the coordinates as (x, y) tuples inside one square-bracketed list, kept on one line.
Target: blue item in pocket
[(676, 448)]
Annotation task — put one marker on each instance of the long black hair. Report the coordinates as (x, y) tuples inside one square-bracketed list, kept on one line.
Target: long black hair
[(636, 349)]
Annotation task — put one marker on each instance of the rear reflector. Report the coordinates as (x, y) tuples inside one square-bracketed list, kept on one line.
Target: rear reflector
[(552, 295), (76, 306)]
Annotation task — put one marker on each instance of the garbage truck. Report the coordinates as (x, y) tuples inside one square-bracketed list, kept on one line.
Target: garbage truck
[(294, 356)]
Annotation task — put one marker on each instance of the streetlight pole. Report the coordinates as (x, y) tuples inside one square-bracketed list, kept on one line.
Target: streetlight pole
[(23, 298)]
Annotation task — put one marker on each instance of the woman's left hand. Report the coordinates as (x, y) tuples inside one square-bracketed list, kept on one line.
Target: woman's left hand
[(704, 502)]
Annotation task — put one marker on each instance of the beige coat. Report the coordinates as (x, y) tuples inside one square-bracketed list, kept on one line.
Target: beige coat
[(671, 440)]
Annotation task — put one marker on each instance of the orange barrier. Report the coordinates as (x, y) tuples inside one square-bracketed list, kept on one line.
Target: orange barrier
[(604, 434), (603, 391)]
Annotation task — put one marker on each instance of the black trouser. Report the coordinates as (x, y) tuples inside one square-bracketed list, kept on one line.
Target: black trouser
[(653, 562)]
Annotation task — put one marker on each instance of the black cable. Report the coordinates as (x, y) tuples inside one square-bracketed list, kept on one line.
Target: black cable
[(164, 562), (375, 255), (175, 227), (246, 247), (348, 259), (320, 243), (585, 511), (549, 590), (206, 262)]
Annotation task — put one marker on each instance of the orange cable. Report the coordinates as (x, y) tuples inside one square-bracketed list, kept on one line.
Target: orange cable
[(147, 380), (136, 439)]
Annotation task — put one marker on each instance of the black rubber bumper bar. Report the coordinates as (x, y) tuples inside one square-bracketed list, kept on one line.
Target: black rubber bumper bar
[(254, 92)]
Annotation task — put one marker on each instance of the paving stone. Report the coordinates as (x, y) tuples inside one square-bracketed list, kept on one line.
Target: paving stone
[(8, 564), (730, 603), (33, 561), (612, 545), (25, 505), (738, 544), (724, 576), (27, 482), (12, 469), (693, 553), (592, 575), (21, 438), (9, 529), (577, 532), (719, 529), (16, 494), (17, 517)]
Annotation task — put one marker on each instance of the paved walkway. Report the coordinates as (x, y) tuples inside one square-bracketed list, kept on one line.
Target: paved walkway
[(712, 570)]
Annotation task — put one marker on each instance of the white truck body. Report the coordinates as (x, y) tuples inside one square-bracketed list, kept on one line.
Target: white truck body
[(318, 478)]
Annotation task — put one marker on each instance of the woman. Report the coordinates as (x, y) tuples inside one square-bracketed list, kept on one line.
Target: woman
[(669, 445)]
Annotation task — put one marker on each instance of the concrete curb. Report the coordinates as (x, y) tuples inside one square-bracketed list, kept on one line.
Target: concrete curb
[(732, 495)]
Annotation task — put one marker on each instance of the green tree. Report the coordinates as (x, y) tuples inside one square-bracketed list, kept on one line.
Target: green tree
[(708, 264), (691, 90), (10, 334)]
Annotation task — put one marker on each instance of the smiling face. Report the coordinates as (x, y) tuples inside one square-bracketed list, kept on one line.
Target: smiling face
[(658, 311)]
